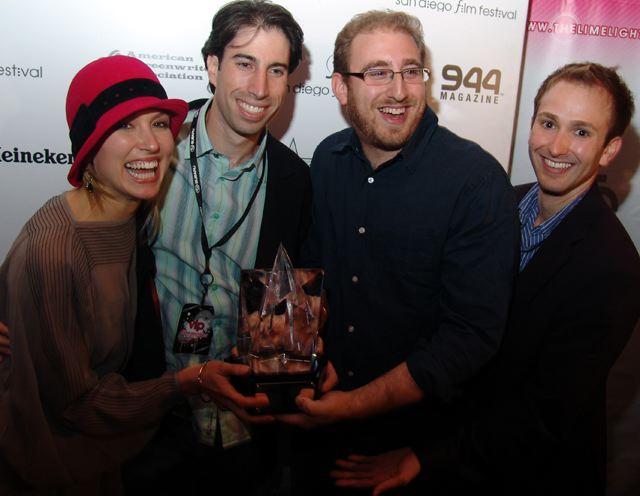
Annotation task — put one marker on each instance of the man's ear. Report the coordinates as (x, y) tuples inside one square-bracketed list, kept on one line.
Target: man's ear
[(213, 66), (610, 151), (339, 86)]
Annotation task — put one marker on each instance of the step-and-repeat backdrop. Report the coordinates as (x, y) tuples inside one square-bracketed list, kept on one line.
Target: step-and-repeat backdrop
[(475, 49)]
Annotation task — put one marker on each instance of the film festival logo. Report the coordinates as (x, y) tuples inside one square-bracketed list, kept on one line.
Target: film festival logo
[(169, 66), (459, 7), (312, 90), (329, 65), (16, 71)]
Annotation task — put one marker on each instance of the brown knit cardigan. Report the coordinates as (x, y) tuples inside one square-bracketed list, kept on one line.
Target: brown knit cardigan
[(67, 418)]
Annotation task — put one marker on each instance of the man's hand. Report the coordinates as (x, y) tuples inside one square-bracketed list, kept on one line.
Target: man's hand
[(310, 416), (5, 343), (216, 385), (328, 379), (395, 389), (382, 472)]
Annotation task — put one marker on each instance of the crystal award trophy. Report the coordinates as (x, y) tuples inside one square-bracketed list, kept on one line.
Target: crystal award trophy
[(278, 324)]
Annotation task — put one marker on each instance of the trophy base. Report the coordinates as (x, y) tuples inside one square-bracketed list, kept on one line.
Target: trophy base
[(281, 389)]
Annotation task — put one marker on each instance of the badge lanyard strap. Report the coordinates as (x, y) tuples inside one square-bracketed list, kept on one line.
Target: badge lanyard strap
[(206, 278)]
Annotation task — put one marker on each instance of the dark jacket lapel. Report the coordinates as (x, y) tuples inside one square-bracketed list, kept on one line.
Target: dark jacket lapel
[(556, 249), (282, 190)]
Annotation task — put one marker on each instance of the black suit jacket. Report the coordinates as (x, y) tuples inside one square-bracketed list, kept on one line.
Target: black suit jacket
[(287, 205), (535, 422), (285, 219)]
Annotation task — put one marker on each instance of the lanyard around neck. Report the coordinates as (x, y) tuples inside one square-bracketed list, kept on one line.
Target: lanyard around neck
[(206, 278)]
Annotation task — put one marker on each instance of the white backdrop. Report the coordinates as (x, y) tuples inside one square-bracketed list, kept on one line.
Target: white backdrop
[(475, 45)]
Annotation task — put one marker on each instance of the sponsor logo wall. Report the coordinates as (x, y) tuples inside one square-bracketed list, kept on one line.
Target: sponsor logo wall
[(474, 50)]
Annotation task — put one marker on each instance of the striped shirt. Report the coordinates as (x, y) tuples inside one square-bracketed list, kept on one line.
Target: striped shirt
[(180, 260), (531, 237)]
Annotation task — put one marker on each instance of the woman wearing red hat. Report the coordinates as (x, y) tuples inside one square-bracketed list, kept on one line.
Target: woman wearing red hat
[(68, 295)]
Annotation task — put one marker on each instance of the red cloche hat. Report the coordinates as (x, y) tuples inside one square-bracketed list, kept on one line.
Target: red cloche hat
[(103, 94)]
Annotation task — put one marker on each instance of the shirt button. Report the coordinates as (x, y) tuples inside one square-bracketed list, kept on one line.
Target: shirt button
[(350, 329), (216, 215), (370, 180), (354, 279), (350, 373), (361, 230)]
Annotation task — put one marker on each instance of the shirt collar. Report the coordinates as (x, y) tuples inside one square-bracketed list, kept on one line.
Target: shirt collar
[(532, 236), (529, 208)]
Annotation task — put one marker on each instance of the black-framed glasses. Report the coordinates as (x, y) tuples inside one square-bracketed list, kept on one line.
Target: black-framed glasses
[(380, 77)]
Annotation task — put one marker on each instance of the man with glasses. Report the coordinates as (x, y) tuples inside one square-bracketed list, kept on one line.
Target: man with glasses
[(416, 230)]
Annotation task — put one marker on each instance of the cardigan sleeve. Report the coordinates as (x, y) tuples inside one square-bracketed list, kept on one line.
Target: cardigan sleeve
[(74, 393)]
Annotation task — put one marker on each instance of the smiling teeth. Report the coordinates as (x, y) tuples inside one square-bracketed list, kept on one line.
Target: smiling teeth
[(392, 110), (557, 165), (142, 170), (142, 165), (250, 108)]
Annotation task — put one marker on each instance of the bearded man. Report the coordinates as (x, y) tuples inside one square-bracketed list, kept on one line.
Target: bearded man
[(416, 229)]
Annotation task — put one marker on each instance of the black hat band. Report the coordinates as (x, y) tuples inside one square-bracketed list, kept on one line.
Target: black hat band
[(86, 119)]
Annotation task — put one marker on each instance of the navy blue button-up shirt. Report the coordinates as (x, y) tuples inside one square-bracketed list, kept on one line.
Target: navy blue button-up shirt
[(419, 257)]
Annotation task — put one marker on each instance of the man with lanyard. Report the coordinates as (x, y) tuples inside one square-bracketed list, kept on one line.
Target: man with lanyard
[(236, 194)]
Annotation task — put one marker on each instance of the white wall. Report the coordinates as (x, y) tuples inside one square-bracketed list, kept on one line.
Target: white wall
[(45, 43)]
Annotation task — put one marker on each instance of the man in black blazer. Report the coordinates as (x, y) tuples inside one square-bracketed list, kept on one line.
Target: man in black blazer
[(534, 421), (234, 196)]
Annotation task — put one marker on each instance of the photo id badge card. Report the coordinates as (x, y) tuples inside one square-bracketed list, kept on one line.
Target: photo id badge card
[(195, 329)]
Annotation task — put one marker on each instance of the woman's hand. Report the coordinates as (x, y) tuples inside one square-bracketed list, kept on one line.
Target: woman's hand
[(213, 379)]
